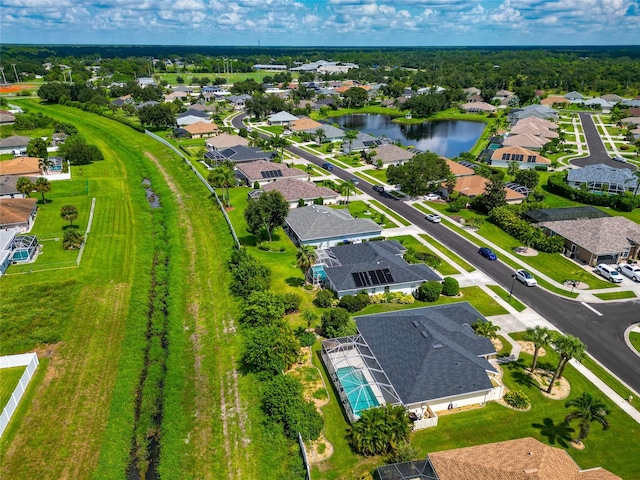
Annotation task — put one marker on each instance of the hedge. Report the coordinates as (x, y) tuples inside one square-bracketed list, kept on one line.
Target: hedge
[(556, 184), (508, 220)]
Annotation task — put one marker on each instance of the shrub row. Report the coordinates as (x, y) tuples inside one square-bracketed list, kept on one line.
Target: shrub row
[(557, 185), (508, 220)]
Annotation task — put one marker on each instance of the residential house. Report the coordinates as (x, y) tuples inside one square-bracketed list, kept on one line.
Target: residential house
[(145, 82), (18, 213), (575, 96), (323, 226), (363, 141), (599, 104), (183, 89), (192, 118), (612, 97), (630, 121), (472, 91), (427, 360), (503, 96), (550, 101), (597, 240), (281, 118), (263, 172), (149, 103), (170, 97), (473, 185), (459, 170), (202, 129), (238, 101), (124, 100), (601, 178), (525, 127), (391, 154), (324, 102), (7, 118), (526, 158), (15, 144), (478, 107), (526, 140), (331, 134), (475, 98), (225, 140), (521, 458), (539, 111), (8, 186), (304, 124), (295, 190), (270, 68), (538, 123), (21, 166), (15, 248), (236, 154)]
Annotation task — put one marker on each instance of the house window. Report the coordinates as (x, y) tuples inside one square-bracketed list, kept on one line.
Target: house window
[(506, 156), (531, 159)]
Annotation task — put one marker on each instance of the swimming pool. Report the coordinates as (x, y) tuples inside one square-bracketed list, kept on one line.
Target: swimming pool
[(357, 389)]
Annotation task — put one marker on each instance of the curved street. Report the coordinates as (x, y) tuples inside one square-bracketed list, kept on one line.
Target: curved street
[(603, 334), (597, 151)]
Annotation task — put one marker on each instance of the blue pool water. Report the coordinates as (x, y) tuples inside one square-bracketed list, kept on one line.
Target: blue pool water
[(357, 389)]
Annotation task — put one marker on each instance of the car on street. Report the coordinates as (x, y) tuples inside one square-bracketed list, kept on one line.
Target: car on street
[(355, 181), (378, 188), (619, 159), (432, 197), (526, 278), (327, 166), (631, 271), (487, 253), (609, 272), (433, 218)]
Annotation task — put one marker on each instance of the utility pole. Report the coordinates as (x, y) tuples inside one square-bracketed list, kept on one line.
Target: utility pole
[(15, 72), (4, 79)]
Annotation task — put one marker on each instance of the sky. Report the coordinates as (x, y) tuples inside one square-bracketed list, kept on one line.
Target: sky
[(321, 22)]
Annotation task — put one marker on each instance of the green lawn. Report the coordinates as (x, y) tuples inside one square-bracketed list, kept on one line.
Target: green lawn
[(616, 295), (607, 378), (411, 242), (401, 221), (453, 256), (9, 378), (634, 338), (503, 294), (378, 173)]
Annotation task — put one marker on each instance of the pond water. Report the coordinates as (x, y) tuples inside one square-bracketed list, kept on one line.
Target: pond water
[(448, 138)]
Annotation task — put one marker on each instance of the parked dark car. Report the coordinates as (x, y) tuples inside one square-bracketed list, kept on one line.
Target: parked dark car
[(487, 253), (327, 166), (378, 188)]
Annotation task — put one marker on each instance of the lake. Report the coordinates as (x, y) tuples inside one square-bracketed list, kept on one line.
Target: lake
[(448, 138)]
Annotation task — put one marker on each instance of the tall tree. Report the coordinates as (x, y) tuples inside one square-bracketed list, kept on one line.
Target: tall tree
[(380, 430), (512, 169), (69, 212), (267, 212), (42, 186), (494, 195), (271, 349), (568, 347), (320, 135), (540, 338), (350, 136), (588, 409), (485, 328), (25, 186), (223, 177), (37, 148), (306, 257), (421, 174), (347, 187)]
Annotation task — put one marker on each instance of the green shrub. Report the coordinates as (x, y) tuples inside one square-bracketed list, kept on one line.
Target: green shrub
[(72, 240), (305, 338), (429, 291), (456, 205), (517, 399), (291, 302), (337, 323), (450, 287), (354, 303), (324, 298)]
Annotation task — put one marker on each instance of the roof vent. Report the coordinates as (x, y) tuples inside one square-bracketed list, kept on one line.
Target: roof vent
[(424, 334), (415, 323), (531, 470), (437, 345)]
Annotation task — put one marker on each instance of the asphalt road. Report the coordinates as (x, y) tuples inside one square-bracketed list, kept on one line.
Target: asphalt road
[(597, 151), (603, 335)]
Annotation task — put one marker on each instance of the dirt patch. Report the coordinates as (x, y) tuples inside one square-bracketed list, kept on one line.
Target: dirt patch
[(529, 348), (15, 88), (497, 344), (576, 445), (561, 389), (526, 251), (576, 284)]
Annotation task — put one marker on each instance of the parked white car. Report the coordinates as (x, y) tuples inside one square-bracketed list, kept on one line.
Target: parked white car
[(433, 218), (526, 278), (609, 272), (631, 271), (432, 197)]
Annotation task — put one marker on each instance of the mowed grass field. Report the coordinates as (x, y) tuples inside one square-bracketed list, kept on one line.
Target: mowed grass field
[(78, 417)]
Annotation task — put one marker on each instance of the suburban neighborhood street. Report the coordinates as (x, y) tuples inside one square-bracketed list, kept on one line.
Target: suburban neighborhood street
[(602, 332), (597, 151)]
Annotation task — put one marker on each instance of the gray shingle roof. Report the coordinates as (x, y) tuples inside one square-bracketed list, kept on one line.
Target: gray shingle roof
[(253, 171), (441, 362), (329, 130), (603, 173), (368, 256), (14, 141), (294, 190), (239, 153), (317, 222)]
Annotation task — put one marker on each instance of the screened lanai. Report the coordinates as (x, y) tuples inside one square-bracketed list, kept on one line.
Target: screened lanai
[(360, 381)]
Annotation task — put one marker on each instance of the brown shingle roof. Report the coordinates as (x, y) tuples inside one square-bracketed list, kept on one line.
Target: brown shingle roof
[(253, 170), (20, 166), (525, 140), (516, 150), (534, 130), (293, 190), (473, 185), (201, 127), (391, 154), (457, 169), (599, 236), (304, 124), (551, 100), (538, 122), (478, 107), (15, 210), (226, 140), (520, 459)]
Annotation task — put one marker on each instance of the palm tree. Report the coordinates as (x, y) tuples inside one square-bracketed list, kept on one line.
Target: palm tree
[(308, 170), (512, 169), (351, 135), (347, 188), (45, 164), (223, 177), (69, 212), (380, 430), (485, 328), (278, 142), (254, 138), (25, 186), (539, 336), (42, 185), (588, 409), (306, 257), (568, 347), (320, 135), (309, 317)]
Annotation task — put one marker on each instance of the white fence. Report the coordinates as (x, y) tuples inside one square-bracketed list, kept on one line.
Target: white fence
[(30, 360)]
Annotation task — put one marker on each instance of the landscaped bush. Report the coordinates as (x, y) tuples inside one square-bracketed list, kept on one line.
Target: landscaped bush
[(456, 205), (429, 259), (354, 303), (508, 220), (450, 287), (557, 185), (337, 323), (429, 291), (72, 240), (305, 338), (517, 399), (324, 298), (392, 297), (249, 275), (291, 302)]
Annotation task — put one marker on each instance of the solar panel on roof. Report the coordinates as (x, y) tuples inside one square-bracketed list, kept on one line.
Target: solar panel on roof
[(387, 275), (356, 279), (271, 174), (375, 280)]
